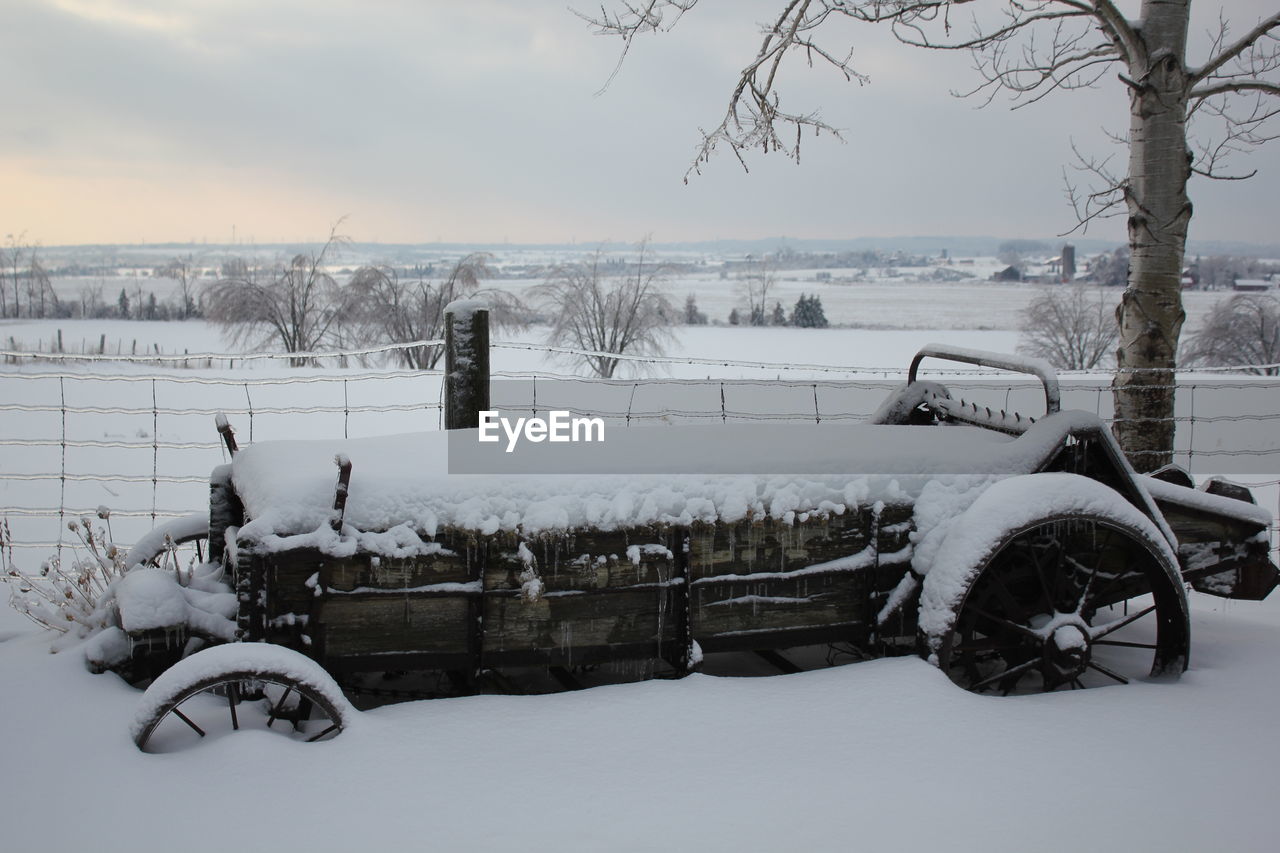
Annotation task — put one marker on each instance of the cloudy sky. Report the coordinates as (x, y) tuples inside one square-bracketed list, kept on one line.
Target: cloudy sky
[(421, 120)]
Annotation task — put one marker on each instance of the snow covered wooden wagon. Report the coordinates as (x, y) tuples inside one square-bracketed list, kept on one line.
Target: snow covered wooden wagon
[(1016, 553)]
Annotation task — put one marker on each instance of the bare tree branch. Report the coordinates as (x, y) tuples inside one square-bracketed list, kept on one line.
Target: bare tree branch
[(1101, 201), (631, 22), (1231, 86), (1237, 48)]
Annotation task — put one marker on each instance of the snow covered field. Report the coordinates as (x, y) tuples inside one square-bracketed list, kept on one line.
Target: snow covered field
[(881, 753), (885, 753)]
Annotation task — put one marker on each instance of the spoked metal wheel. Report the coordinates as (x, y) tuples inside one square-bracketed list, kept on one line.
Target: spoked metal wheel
[(236, 687), (1065, 604), (176, 543)]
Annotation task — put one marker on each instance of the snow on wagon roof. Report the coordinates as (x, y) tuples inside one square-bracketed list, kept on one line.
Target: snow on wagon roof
[(287, 487)]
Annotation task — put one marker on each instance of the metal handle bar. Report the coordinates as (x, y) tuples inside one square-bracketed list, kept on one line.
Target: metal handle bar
[(1036, 367)]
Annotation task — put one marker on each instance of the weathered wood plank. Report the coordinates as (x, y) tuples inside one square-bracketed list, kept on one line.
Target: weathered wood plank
[(1191, 526), (372, 623), (590, 619), (772, 545), (588, 560), (367, 571), (809, 601)]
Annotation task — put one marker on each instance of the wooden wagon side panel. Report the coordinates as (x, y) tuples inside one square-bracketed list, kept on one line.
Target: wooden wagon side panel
[(744, 613), (767, 583), (565, 629), (394, 574), (579, 561), (771, 545), (1221, 556), (373, 624), (583, 597)]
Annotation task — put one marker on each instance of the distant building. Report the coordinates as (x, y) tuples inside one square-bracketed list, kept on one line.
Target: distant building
[(1068, 262), (1008, 274), (1251, 284)]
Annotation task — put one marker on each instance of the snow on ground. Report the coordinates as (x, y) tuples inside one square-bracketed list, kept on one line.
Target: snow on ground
[(881, 753)]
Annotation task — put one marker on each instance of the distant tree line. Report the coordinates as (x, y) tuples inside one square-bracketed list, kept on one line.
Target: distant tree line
[(807, 313), (300, 306), (25, 289)]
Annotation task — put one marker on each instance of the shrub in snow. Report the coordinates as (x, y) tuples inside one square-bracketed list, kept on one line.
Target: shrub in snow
[(66, 594), (96, 595)]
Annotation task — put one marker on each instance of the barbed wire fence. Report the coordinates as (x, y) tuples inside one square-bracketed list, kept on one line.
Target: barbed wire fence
[(135, 433)]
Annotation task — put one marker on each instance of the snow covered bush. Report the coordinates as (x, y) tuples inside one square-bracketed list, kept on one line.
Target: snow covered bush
[(65, 594), (95, 595)]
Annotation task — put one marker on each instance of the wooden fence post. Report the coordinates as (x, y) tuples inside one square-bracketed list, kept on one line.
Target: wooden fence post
[(466, 363)]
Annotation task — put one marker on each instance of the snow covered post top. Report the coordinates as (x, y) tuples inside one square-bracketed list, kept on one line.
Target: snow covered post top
[(228, 434), (466, 363)]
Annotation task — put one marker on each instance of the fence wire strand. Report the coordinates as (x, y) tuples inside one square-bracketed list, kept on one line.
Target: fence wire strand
[(821, 404)]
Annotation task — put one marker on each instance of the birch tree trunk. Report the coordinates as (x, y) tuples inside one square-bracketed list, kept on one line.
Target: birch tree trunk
[(1150, 313)]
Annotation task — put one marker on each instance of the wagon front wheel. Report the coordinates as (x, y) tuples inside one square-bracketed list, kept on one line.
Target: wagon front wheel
[(236, 687), (1066, 603)]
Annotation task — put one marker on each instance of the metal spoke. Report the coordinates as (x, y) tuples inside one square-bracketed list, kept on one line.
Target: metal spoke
[(1012, 671), (988, 645), (315, 738), (1008, 599), (188, 721), (233, 699), (1044, 582), (1000, 620), (1120, 623), (278, 707), (1102, 669), (1116, 580), (1127, 645), (1088, 585)]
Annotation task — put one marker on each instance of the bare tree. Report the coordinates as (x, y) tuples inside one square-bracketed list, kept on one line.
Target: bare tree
[(396, 311), (757, 282), (185, 273), (294, 305), (41, 298), (1070, 326), (627, 314), (1035, 48), (1241, 331), (11, 260)]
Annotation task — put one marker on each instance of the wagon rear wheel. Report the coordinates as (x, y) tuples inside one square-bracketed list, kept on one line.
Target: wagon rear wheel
[(176, 542), (237, 687), (1067, 603)]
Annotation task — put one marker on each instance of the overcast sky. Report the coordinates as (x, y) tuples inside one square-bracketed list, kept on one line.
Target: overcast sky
[(131, 121)]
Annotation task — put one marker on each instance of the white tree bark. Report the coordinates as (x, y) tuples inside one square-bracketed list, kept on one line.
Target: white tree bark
[(1150, 315)]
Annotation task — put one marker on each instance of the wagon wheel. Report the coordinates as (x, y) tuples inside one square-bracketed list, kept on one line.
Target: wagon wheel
[(1067, 603), (191, 530), (211, 691)]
